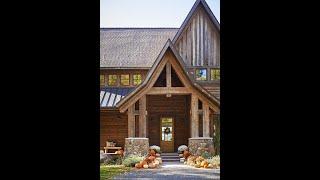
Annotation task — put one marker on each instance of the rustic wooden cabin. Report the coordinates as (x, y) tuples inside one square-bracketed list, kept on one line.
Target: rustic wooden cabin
[(161, 86)]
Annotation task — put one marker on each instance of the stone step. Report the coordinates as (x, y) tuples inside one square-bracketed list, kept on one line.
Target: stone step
[(170, 160)]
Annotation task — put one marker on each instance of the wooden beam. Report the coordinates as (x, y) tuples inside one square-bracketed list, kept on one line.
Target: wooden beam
[(205, 116), (131, 122), (194, 116), (168, 74), (142, 117), (168, 90)]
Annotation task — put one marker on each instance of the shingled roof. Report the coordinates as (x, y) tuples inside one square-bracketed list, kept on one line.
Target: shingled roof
[(132, 47)]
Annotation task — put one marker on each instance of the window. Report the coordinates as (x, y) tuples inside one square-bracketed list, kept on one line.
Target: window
[(215, 74), (112, 80), (102, 80), (125, 79), (137, 79), (201, 74)]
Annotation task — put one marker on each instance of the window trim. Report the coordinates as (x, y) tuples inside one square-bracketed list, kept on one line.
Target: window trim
[(195, 74), (104, 80), (121, 79), (116, 83), (211, 74), (133, 80)]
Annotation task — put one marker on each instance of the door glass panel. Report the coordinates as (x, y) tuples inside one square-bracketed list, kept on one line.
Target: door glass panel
[(166, 129)]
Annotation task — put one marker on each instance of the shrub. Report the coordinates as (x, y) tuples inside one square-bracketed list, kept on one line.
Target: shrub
[(131, 160), (156, 148), (214, 160), (182, 148), (206, 155)]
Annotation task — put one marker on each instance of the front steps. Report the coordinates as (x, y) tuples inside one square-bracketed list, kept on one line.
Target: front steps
[(170, 157)]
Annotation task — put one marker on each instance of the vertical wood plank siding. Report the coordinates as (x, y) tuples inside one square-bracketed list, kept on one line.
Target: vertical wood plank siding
[(199, 44)]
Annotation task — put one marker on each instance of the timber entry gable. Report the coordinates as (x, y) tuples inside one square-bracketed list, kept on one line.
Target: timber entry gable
[(169, 61)]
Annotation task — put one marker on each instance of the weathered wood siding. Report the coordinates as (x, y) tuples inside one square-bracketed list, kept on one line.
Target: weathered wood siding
[(113, 127), (199, 43), (176, 107)]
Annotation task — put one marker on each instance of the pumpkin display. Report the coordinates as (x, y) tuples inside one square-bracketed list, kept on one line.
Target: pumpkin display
[(138, 165), (152, 165), (186, 154), (152, 152), (151, 158)]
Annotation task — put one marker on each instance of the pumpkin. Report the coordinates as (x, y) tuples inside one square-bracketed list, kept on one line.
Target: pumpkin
[(156, 162), (151, 158), (152, 165), (152, 152), (186, 154), (145, 166), (204, 163), (138, 165), (157, 155), (205, 166), (210, 166), (144, 162)]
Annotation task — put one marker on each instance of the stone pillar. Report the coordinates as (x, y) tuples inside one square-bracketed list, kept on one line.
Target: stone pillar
[(131, 122), (206, 122), (200, 144), (142, 117), (194, 116), (137, 146)]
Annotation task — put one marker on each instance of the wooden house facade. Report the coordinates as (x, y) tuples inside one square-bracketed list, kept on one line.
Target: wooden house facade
[(161, 86)]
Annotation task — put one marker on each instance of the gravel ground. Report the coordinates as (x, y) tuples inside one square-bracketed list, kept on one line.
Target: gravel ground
[(172, 171)]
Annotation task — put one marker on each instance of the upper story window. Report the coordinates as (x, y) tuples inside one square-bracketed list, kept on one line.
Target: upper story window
[(125, 79), (215, 74), (137, 79), (112, 80), (201, 74), (102, 80)]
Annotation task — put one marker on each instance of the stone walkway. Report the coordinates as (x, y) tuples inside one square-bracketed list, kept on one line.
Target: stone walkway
[(172, 170)]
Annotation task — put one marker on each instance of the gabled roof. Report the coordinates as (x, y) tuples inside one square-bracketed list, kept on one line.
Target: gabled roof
[(110, 96), (132, 47), (167, 46), (193, 9)]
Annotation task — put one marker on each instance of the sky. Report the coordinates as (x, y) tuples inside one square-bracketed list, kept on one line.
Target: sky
[(149, 13)]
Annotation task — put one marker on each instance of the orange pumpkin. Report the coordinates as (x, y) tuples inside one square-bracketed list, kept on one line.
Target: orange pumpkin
[(151, 158), (138, 165)]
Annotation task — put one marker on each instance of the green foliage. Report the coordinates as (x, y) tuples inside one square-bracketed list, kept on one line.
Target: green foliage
[(116, 160), (108, 172), (215, 160), (131, 160), (206, 155)]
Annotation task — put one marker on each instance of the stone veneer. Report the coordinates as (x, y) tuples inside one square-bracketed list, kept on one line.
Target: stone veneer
[(195, 144), (139, 146)]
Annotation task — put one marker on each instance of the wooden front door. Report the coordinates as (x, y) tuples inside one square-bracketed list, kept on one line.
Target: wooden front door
[(166, 134)]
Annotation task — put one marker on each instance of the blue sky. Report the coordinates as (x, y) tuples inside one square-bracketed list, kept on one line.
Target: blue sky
[(148, 13)]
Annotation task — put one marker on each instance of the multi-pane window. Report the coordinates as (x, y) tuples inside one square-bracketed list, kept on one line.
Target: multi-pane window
[(137, 79), (102, 81), (201, 74), (215, 74), (112, 80), (125, 79)]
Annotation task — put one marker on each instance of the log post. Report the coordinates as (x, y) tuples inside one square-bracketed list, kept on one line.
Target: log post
[(206, 128), (142, 117), (194, 116), (131, 121)]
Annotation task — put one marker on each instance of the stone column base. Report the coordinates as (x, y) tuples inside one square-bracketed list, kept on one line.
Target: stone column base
[(199, 145), (137, 146)]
